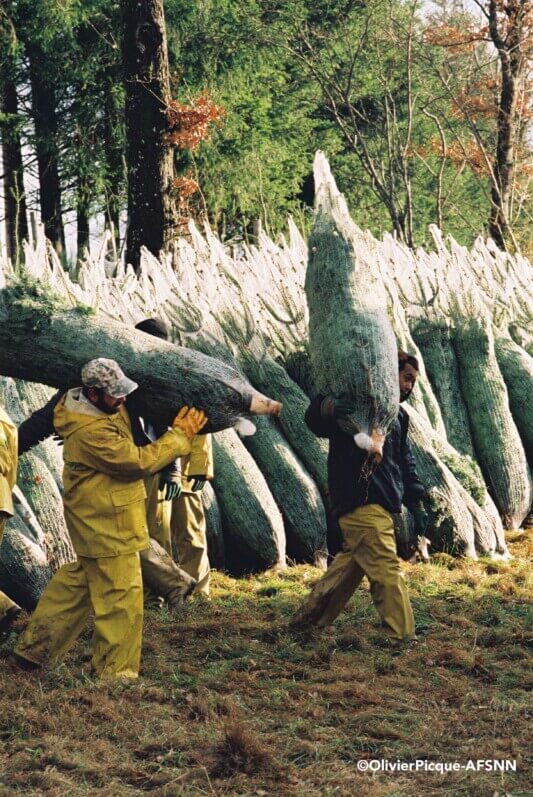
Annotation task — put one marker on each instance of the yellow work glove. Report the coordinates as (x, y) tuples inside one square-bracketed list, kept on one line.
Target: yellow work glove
[(189, 421)]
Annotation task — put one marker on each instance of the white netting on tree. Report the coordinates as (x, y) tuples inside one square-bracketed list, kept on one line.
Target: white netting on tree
[(247, 305), (352, 344)]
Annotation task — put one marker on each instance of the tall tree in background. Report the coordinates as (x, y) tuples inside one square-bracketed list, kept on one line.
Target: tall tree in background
[(487, 73), (14, 196), (114, 160), (511, 31), (43, 32), (152, 209), (92, 131), (44, 111)]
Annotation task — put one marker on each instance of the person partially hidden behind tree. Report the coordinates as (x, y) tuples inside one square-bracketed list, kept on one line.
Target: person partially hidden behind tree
[(188, 522), (105, 511), (364, 509), (183, 529)]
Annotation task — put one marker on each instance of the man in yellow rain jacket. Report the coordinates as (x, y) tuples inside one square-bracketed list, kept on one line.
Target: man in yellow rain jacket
[(8, 476), (104, 501), (188, 525)]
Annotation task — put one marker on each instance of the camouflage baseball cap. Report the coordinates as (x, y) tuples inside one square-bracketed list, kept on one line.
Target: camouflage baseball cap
[(108, 376)]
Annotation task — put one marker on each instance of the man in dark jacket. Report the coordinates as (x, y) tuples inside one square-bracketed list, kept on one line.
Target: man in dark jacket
[(363, 499)]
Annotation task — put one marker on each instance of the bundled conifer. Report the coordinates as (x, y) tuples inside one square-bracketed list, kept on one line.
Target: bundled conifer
[(351, 342), (496, 439), (253, 526), (434, 338), (24, 569), (517, 369), (294, 491)]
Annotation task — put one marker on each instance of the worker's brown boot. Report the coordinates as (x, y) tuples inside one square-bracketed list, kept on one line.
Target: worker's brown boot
[(9, 619), (162, 576), (177, 597), (23, 663)]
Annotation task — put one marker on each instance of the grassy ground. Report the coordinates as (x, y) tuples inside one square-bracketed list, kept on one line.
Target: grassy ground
[(230, 704)]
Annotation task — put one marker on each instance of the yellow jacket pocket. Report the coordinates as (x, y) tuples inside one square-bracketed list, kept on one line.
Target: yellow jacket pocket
[(130, 507)]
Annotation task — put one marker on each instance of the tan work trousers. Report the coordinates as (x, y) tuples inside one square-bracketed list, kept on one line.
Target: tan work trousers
[(161, 575), (369, 549), (111, 587), (157, 513), (188, 529)]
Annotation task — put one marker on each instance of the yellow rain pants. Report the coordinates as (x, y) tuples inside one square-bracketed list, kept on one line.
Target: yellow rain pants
[(188, 528), (8, 477), (369, 549), (5, 603), (111, 588)]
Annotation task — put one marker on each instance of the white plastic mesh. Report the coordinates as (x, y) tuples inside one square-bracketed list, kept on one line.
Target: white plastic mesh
[(352, 344), (251, 299)]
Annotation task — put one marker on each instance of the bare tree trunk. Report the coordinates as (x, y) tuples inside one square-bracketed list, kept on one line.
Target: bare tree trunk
[(512, 60), (14, 197), (44, 116), (82, 216), (115, 165), (151, 204)]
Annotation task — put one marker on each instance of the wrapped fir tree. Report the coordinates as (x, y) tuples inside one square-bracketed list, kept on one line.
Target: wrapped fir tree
[(351, 341)]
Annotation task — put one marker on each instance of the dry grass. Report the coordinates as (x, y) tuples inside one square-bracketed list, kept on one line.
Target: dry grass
[(230, 704)]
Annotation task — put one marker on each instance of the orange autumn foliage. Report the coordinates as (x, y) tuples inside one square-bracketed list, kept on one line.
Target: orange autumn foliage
[(186, 187), (188, 126), (464, 40), (189, 123), (459, 152), (479, 99)]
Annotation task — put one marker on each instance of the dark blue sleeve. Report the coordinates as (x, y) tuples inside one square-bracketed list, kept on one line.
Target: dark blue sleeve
[(414, 490), (38, 426), (172, 471), (322, 427)]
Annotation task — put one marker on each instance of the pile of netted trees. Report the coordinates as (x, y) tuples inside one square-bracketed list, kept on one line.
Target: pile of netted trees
[(466, 314)]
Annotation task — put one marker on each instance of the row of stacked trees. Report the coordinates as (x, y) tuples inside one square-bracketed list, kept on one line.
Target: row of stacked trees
[(424, 117)]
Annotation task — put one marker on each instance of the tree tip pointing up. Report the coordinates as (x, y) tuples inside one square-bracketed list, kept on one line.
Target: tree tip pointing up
[(328, 198)]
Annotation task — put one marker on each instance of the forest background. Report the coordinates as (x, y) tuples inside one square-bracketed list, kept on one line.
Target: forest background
[(423, 109)]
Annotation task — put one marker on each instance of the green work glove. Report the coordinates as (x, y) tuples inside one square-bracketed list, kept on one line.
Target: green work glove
[(171, 488), (421, 519), (198, 483), (338, 408)]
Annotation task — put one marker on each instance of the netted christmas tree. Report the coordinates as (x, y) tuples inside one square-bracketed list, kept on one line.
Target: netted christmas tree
[(351, 341)]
